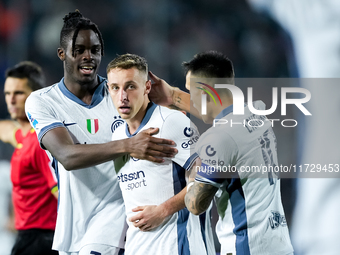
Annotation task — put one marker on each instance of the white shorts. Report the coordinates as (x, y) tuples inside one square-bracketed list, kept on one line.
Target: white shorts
[(96, 249)]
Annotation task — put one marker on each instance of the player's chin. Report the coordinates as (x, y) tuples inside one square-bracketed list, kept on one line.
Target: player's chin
[(124, 116), (207, 120), (14, 117), (87, 78)]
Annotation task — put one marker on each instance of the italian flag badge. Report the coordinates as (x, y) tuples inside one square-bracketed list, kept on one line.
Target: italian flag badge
[(92, 126)]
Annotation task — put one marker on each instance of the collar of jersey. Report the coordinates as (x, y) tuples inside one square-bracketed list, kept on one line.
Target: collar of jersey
[(149, 110), (96, 98)]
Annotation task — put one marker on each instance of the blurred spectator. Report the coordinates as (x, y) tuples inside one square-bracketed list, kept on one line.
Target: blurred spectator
[(34, 186)]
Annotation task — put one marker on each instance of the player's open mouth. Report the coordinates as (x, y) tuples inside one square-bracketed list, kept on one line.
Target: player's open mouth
[(86, 69), (124, 109)]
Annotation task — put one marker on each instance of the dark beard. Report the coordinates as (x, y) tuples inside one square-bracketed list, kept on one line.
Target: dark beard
[(69, 68)]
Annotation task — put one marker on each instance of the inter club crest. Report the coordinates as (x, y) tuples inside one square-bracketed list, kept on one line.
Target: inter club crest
[(116, 123), (92, 125)]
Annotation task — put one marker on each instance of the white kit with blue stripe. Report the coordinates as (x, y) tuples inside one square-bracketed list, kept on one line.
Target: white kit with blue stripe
[(146, 183), (91, 208), (251, 216)]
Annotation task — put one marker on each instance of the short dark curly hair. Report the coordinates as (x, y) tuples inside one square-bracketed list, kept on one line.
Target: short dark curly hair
[(210, 64)]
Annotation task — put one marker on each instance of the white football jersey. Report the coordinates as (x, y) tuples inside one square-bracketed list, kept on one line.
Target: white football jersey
[(235, 154), (146, 183), (90, 206)]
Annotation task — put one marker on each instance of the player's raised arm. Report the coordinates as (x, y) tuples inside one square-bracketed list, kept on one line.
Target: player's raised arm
[(74, 156), (163, 94)]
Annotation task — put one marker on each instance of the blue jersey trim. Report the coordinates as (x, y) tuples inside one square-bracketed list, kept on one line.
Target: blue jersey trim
[(183, 215), (149, 110), (226, 111), (198, 178), (238, 209), (214, 176), (97, 97), (45, 129), (190, 161), (178, 176), (202, 180), (56, 171)]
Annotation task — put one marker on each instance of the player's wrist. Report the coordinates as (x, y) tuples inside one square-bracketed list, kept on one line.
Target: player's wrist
[(164, 210), (126, 146), (175, 99)]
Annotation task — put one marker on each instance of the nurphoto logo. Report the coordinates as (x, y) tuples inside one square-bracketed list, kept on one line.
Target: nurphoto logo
[(239, 103)]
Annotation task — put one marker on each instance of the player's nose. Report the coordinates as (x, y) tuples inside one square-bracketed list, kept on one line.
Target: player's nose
[(122, 95), (11, 98), (87, 55)]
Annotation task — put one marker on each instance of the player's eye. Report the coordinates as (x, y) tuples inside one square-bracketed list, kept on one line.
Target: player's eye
[(78, 51), (95, 50)]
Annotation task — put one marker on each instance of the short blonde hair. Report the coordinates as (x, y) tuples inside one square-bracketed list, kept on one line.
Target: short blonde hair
[(128, 61)]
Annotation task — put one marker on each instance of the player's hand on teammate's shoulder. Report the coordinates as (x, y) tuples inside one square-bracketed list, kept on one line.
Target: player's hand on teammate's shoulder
[(145, 146), (149, 217), (161, 92)]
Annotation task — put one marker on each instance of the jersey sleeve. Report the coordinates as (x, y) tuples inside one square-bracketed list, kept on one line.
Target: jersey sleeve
[(43, 164), (41, 115), (218, 154), (178, 127)]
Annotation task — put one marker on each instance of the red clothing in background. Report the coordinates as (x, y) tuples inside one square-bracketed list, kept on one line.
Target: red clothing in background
[(33, 179)]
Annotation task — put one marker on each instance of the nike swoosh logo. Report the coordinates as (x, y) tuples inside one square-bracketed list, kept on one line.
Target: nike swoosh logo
[(68, 124)]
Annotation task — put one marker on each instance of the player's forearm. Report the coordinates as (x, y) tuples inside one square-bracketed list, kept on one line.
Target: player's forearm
[(78, 156), (199, 197), (174, 204), (75, 156), (181, 100)]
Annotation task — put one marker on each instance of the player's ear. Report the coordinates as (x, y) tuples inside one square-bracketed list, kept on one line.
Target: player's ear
[(61, 54), (147, 87)]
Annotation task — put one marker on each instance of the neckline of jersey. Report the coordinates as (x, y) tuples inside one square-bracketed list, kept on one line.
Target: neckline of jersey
[(149, 110), (97, 97)]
